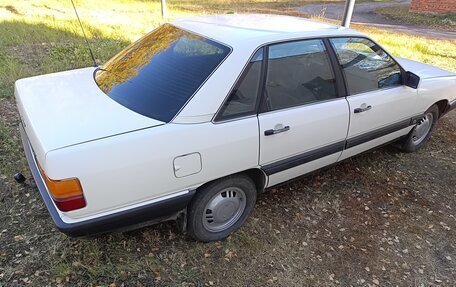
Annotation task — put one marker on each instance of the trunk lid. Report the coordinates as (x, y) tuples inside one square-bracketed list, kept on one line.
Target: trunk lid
[(67, 108)]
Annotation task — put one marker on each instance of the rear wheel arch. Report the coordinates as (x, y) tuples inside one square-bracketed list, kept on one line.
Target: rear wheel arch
[(258, 177), (220, 207)]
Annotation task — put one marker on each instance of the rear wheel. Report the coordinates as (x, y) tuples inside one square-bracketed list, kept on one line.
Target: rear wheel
[(422, 131), (221, 207)]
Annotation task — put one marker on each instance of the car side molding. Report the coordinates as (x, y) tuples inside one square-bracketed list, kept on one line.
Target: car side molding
[(383, 131), (303, 158), (318, 153)]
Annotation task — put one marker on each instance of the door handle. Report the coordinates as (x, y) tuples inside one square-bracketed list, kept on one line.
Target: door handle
[(276, 131), (360, 110)]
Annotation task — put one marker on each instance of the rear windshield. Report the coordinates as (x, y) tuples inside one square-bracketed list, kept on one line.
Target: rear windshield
[(156, 75)]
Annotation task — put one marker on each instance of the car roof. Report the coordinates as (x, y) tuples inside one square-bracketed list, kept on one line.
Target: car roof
[(244, 33), (237, 29)]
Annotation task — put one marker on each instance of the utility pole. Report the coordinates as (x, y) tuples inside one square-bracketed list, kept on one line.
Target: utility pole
[(163, 8), (348, 13)]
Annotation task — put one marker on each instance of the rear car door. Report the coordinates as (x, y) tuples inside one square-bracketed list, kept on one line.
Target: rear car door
[(304, 117), (381, 106)]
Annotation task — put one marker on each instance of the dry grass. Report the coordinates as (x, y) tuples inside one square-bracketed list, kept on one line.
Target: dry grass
[(45, 37), (440, 53), (402, 14), (383, 218)]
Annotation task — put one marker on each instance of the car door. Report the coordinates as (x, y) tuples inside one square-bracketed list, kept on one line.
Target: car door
[(381, 107), (304, 118)]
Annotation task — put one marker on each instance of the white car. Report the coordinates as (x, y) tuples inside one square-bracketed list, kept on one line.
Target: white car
[(196, 118)]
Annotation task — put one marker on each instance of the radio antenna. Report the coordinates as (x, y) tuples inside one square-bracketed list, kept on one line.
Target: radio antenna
[(85, 37)]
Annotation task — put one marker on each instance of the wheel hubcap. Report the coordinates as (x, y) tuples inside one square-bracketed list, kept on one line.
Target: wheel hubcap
[(224, 209), (422, 129)]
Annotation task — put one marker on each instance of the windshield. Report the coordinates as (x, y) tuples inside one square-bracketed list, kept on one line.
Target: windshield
[(156, 75)]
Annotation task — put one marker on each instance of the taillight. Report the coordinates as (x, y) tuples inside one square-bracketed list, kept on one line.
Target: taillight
[(67, 193)]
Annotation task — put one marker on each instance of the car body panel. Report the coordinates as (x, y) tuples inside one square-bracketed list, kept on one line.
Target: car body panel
[(68, 108), (388, 107), (244, 40), (137, 167), (310, 127), (252, 29), (136, 215), (436, 89), (126, 161), (424, 71), (368, 145)]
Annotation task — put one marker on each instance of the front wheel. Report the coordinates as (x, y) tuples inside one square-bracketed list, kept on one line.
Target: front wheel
[(422, 131), (221, 207)]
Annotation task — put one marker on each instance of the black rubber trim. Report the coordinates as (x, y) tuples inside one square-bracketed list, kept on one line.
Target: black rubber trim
[(219, 114), (337, 69), (378, 45), (303, 158), (111, 222), (294, 161), (451, 106), (352, 142), (263, 106)]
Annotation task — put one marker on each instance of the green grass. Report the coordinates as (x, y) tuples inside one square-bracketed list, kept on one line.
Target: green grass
[(440, 53), (44, 36), (402, 13)]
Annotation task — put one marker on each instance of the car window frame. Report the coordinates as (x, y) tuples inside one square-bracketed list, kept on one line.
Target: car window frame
[(218, 116), (341, 69), (341, 89), (210, 75), (341, 82), (97, 68)]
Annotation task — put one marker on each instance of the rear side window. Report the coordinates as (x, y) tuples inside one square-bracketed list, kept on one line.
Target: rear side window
[(156, 75), (366, 66), (299, 73), (243, 99)]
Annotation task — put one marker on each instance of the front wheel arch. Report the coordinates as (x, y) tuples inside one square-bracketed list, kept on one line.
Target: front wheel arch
[(442, 105), (417, 137)]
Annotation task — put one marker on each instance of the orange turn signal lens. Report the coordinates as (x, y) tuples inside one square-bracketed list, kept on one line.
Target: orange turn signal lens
[(67, 193), (61, 189)]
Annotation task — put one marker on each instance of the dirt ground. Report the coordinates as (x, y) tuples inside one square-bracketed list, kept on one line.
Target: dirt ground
[(383, 218)]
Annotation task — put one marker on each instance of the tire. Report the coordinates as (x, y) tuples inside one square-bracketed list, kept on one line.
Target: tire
[(220, 208), (421, 132)]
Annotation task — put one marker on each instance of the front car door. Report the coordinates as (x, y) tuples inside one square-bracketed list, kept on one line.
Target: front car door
[(382, 108), (304, 119)]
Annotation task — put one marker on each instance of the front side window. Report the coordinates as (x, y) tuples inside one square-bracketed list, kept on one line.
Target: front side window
[(243, 99), (156, 75), (366, 66), (299, 73)]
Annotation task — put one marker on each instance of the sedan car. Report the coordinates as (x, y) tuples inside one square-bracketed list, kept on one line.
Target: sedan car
[(195, 119)]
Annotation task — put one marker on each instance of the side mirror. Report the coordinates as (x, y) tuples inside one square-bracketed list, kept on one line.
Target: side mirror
[(411, 80)]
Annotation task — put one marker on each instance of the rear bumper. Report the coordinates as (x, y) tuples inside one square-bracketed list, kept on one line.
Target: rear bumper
[(138, 216)]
